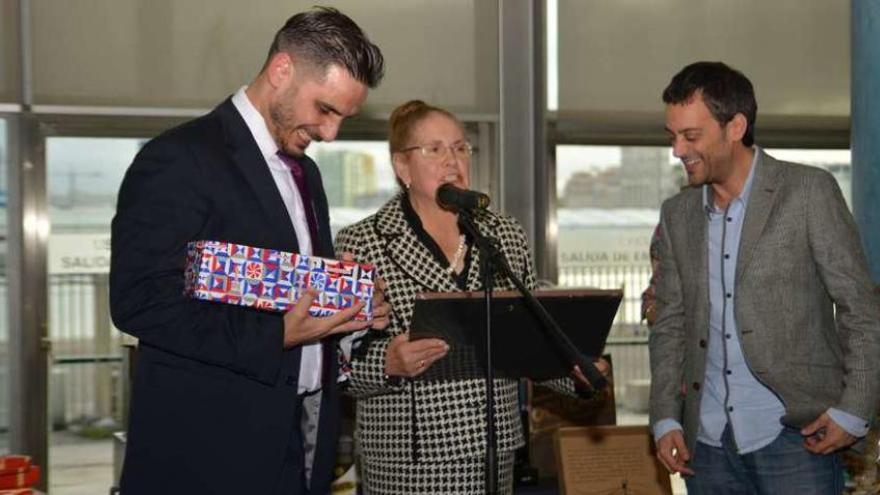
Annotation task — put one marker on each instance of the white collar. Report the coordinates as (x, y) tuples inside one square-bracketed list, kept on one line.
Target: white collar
[(257, 125)]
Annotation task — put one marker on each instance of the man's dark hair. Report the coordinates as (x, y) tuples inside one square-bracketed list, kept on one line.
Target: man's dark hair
[(324, 36), (725, 91)]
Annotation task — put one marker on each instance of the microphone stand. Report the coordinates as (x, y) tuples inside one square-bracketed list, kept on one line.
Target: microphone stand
[(494, 260)]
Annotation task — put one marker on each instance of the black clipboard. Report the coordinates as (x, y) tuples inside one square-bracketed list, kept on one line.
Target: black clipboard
[(521, 346)]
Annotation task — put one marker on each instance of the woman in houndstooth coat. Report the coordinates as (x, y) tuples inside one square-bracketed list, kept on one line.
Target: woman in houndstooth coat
[(419, 436)]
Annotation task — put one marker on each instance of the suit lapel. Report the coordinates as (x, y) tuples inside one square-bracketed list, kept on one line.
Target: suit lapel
[(475, 276), (249, 160), (408, 252), (761, 201)]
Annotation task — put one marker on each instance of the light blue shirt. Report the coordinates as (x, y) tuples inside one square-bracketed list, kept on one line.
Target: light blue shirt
[(731, 392)]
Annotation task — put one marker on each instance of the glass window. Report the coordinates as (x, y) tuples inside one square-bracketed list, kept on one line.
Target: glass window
[(83, 178), (838, 162), (609, 201), (358, 178)]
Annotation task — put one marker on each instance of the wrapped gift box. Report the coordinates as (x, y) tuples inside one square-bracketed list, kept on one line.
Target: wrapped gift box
[(274, 280), (25, 479), (13, 464)]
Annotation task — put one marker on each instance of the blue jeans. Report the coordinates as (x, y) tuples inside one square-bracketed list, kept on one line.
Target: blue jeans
[(782, 467)]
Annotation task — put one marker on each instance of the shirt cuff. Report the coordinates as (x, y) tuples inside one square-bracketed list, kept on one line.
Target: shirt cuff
[(664, 426), (853, 425)]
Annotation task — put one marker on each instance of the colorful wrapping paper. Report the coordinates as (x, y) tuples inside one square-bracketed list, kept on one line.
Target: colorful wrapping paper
[(25, 479), (274, 280), (12, 464)]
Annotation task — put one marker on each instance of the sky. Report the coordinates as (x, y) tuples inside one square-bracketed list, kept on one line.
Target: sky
[(94, 165)]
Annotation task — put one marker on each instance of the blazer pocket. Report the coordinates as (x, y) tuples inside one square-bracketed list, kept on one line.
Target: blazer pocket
[(186, 382)]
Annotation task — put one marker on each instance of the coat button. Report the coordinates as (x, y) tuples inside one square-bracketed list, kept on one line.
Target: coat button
[(292, 381), (696, 385), (703, 343)]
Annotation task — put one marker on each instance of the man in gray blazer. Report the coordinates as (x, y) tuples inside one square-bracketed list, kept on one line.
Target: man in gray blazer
[(765, 347)]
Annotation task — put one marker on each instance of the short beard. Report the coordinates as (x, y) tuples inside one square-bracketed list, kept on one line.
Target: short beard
[(281, 121)]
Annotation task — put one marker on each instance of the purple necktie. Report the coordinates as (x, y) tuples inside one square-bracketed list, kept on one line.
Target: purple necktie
[(299, 177)]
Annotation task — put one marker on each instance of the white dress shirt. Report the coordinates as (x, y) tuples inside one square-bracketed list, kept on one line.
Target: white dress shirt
[(310, 365)]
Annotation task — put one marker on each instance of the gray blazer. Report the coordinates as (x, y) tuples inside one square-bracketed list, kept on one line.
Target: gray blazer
[(800, 261)]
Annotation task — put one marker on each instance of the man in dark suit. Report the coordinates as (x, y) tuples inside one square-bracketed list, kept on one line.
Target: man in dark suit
[(227, 399), (764, 351)]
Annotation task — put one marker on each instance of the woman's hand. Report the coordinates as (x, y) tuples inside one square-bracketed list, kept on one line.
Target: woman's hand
[(381, 308), (405, 358)]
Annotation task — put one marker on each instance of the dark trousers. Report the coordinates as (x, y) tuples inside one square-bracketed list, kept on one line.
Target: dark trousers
[(293, 478)]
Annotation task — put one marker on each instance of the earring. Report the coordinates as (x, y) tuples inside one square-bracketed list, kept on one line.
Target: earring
[(406, 184)]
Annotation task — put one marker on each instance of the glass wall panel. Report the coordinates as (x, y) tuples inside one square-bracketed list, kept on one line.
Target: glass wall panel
[(838, 162), (618, 56), (167, 53), (358, 178), (609, 200), (83, 177)]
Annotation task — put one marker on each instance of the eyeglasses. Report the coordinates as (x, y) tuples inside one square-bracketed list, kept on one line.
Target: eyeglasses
[(437, 150)]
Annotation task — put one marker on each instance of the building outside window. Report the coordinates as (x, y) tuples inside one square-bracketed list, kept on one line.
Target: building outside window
[(357, 176)]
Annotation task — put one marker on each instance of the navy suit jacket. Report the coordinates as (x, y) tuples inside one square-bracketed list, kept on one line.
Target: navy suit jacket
[(214, 400)]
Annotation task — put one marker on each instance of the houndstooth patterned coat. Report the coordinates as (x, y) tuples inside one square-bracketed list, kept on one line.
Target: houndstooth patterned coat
[(419, 421)]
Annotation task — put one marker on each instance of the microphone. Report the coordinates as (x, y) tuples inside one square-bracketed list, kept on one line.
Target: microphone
[(452, 198)]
